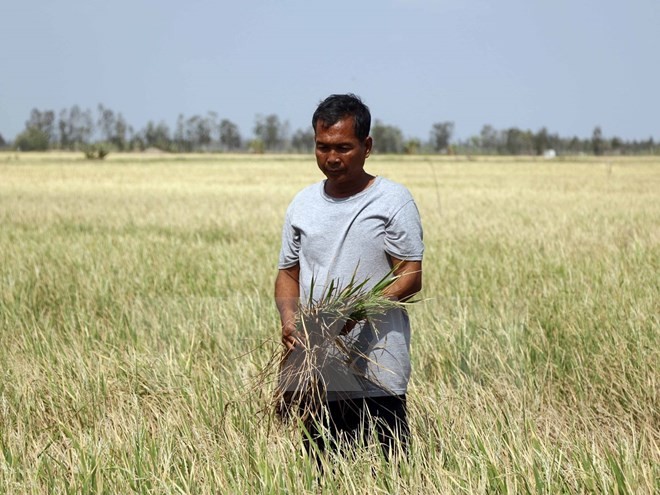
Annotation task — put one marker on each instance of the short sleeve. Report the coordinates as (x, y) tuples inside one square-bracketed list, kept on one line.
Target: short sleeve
[(404, 235), (290, 249)]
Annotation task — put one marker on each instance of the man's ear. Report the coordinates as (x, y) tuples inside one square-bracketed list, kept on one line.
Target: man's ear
[(368, 144)]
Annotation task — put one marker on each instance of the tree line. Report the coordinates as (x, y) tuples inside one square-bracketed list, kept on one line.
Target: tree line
[(106, 130)]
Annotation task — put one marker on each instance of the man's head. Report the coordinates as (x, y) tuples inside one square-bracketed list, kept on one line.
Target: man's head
[(342, 144), (338, 107)]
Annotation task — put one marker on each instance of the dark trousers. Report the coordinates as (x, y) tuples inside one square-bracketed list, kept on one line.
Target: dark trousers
[(349, 422)]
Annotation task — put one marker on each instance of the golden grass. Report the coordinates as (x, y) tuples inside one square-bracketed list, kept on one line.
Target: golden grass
[(135, 300)]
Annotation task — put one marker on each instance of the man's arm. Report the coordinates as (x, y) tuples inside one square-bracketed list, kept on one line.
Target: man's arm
[(287, 294), (409, 281)]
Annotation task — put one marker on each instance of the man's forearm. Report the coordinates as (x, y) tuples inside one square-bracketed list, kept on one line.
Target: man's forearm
[(408, 281), (287, 295)]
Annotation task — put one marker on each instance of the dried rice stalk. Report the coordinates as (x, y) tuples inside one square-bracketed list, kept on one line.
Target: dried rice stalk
[(321, 353)]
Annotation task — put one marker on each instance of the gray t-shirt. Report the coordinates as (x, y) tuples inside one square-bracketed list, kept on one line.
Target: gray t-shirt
[(336, 239)]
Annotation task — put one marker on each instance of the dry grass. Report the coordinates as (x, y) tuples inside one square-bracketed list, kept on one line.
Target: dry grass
[(135, 296)]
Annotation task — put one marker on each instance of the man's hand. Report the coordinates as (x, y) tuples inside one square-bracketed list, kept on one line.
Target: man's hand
[(290, 337)]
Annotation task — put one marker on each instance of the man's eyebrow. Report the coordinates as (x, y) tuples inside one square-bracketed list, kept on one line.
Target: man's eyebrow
[(337, 145)]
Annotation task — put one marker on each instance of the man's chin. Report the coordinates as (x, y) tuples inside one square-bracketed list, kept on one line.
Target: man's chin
[(335, 177)]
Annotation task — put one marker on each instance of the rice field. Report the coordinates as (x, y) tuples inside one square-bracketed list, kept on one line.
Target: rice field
[(136, 312)]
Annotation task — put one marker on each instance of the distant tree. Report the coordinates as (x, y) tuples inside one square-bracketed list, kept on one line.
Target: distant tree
[(112, 127), (76, 127), (3, 143), (302, 141), (271, 132), (106, 122), (518, 142), (541, 141), (597, 141), (199, 130), (181, 142), (122, 130), (156, 136), (256, 146), (441, 134), (43, 121), (63, 128), (489, 139), (555, 142), (474, 144), (32, 139), (211, 126), (230, 136), (39, 131), (387, 138), (574, 145), (649, 146), (412, 146), (137, 142)]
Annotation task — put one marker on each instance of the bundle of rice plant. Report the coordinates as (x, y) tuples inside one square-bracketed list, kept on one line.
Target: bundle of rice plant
[(321, 354)]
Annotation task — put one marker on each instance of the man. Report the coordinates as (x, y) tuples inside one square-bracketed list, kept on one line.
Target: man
[(354, 226)]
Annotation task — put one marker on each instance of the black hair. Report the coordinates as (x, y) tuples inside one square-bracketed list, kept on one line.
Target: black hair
[(337, 107)]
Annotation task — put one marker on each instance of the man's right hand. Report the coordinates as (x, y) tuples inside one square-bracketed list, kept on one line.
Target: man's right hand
[(290, 337)]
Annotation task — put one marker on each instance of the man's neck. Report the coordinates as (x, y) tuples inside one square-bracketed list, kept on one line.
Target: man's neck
[(344, 191)]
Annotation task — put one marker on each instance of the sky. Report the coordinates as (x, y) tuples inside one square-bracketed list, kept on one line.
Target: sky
[(568, 65)]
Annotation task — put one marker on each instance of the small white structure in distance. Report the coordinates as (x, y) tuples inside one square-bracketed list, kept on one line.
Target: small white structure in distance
[(549, 154)]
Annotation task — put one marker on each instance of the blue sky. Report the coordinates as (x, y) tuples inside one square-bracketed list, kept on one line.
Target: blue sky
[(568, 65)]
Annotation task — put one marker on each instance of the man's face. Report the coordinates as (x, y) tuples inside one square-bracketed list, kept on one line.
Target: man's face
[(340, 154)]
